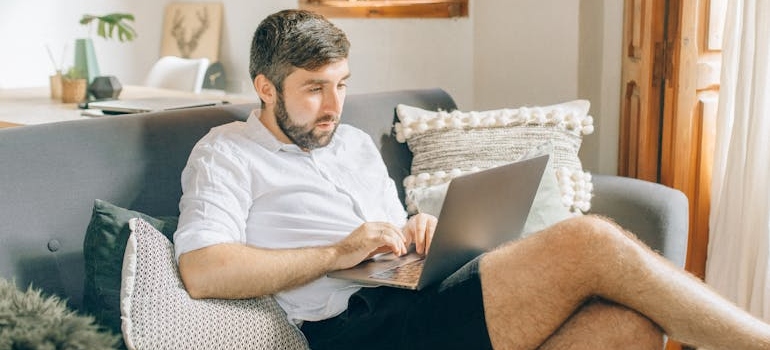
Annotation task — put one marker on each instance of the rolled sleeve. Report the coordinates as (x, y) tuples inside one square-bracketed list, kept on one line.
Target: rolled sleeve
[(215, 199)]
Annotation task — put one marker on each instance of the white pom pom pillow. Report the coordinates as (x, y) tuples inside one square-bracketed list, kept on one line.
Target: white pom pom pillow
[(449, 144)]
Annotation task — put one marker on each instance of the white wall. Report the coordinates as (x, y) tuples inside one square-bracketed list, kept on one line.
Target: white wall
[(537, 52), (527, 52), (412, 53), (507, 53), (599, 76), (385, 54)]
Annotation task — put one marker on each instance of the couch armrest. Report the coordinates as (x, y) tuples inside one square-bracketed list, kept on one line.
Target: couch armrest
[(657, 214)]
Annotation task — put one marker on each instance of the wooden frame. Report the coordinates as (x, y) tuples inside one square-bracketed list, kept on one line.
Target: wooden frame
[(387, 8)]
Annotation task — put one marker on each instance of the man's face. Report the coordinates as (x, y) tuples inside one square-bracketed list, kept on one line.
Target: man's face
[(308, 111)]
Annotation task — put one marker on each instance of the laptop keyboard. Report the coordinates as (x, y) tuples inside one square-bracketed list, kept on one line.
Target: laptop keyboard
[(409, 272)]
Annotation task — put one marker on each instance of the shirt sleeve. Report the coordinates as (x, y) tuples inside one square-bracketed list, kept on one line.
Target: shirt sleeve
[(215, 199)]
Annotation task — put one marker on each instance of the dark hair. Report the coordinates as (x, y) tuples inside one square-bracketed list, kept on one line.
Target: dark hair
[(292, 39)]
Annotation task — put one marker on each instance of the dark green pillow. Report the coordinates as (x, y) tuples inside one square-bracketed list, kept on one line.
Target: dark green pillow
[(103, 248)]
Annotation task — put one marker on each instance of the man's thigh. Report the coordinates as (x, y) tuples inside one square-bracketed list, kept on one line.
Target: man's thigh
[(601, 324)]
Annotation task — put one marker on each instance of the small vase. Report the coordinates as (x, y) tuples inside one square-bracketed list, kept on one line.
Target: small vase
[(73, 90), (55, 81), (85, 59)]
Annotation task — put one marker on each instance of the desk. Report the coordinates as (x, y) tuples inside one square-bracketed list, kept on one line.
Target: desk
[(7, 125), (29, 106)]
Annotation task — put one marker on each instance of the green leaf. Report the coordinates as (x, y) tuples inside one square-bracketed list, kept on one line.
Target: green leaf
[(109, 22)]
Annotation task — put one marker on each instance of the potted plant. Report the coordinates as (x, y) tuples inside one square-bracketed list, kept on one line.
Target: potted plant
[(108, 26), (73, 86)]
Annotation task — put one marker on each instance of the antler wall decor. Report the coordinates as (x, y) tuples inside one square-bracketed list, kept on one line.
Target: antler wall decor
[(179, 31)]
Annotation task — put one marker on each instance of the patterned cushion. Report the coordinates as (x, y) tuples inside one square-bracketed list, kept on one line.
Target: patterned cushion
[(158, 313), (449, 144), (103, 248)]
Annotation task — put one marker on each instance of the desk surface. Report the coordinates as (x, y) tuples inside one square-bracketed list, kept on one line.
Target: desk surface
[(7, 125), (28, 106)]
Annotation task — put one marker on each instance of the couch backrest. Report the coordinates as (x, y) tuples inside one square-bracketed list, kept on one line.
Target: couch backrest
[(50, 175)]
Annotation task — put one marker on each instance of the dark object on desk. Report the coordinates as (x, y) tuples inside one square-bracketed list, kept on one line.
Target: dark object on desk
[(105, 87), (215, 77)]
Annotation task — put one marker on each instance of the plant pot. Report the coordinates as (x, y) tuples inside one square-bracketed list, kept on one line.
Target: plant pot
[(73, 90)]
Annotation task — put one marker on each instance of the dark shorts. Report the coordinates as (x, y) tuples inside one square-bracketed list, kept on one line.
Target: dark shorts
[(446, 316)]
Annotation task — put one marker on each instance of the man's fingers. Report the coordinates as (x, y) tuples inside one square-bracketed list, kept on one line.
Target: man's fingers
[(429, 233), (420, 226), (393, 238)]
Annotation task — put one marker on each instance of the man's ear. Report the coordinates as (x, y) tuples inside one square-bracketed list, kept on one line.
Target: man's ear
[(265, 89)]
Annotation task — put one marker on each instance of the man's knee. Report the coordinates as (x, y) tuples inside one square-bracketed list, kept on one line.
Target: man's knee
[(601, 324), (588, 233)]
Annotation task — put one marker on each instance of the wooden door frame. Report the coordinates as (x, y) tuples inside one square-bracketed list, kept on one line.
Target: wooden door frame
[(689, 115)]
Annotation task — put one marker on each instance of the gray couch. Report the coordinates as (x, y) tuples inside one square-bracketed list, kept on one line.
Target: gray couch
[(50, 175)]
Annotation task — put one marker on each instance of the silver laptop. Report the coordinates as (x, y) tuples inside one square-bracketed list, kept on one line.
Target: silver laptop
[(149, 104), (481, 211)]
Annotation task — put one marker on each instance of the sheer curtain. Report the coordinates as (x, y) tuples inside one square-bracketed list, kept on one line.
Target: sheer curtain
[(738, 263)]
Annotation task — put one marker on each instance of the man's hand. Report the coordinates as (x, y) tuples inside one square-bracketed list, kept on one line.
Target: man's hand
[(373, 238), (419, 229), (367, 240)]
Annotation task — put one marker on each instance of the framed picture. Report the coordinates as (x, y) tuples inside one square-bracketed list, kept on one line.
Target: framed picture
[(192, 30)]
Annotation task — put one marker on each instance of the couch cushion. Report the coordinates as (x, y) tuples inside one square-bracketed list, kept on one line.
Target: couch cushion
[(103, 248), (58, 169), (449, 144), (547, 208), (158, 313)]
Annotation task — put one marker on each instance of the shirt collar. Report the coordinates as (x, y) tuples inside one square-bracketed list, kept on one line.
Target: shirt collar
[(266, 139)]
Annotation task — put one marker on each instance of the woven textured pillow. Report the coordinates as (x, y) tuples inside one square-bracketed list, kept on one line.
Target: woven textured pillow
[(158, 313), (546, 209), (448, 144)]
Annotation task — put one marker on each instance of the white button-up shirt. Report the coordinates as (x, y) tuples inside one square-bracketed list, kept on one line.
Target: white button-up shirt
[(243, 185)]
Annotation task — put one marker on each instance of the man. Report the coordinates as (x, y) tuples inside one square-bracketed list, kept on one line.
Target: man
[(273, 204)]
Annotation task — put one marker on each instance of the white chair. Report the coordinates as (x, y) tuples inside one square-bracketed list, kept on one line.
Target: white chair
[(177, 73)]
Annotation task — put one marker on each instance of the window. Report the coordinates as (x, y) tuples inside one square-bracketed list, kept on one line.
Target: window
[(387, 8)]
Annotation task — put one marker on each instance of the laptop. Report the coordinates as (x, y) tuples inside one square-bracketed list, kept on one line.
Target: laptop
[(149, 104), (481, 211)]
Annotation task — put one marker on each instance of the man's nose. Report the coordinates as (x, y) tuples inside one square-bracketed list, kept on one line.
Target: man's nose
[(333, 102)]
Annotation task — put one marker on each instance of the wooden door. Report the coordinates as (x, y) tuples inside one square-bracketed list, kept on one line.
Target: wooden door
[(642, 81), (671, 68), (689, 114)]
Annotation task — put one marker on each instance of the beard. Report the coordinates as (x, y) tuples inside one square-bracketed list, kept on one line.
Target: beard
[(304, 136)]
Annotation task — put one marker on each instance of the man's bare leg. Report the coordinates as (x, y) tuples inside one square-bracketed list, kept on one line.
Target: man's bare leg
[(530, 287), (599, 324)]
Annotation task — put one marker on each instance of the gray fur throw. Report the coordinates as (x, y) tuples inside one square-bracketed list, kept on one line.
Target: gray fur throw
[(29, 320)]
